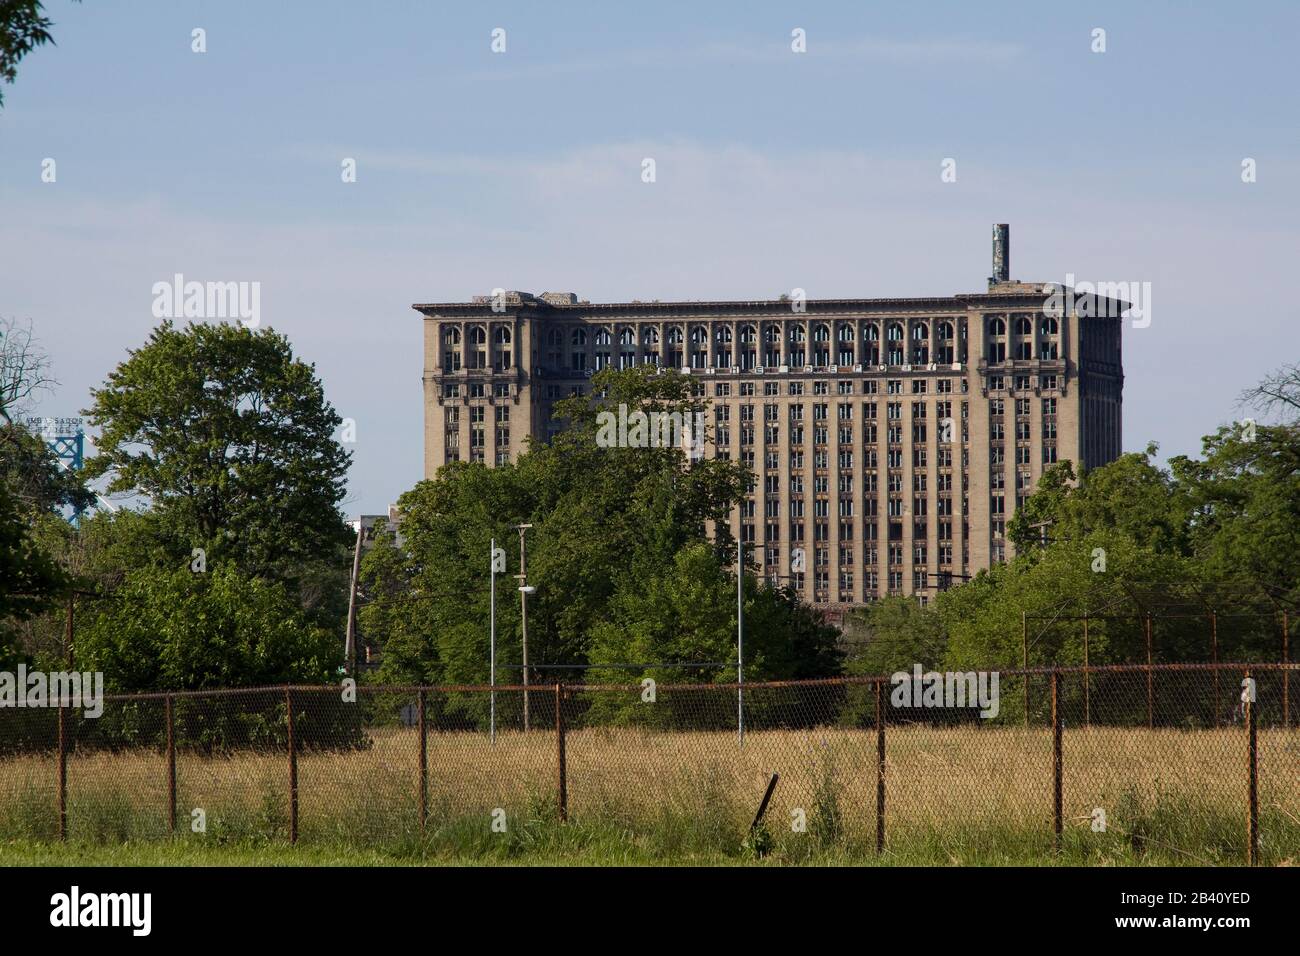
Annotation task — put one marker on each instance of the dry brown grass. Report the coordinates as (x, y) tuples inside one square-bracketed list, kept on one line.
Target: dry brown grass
[(1186, 788)]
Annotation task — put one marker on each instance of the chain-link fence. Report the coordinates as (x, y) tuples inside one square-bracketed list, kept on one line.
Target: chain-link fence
[(1194, 762)]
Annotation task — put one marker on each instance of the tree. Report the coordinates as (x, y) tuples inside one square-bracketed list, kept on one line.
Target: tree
[(1246, 496), (33, 474), (1277, 392), (684, 613), (24, 368), (230, 439), (23, 27), (26, 464), (629, 550), (898, 632), (983, 619), (1130, 495), (37, 480), (790, 639), (31, 486), (188, 631), (1246, 493), (392, 615), (30, 580), (1216, 534)]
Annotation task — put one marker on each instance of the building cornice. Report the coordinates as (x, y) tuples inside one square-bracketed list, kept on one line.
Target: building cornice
[(1019, 296)]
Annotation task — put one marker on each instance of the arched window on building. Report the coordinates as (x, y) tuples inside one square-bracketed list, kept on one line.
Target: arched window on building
[(578, 349), (798, 350), (997, 346), (871, 344), (845, 352), (555, 348), (650, 345), (920, 343), (945, 351), (501, 340), (603, 341), (626, 347), (451, 350), (821, 345), (772, 346), (722, 349), (894, 344), (676, 338), (748, 352), (699, 347), (477, 347)]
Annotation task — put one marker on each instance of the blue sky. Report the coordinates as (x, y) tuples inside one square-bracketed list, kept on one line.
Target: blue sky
[(775, 170)]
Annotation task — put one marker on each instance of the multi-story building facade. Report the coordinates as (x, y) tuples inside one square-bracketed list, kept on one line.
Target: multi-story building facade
[(891, 439)]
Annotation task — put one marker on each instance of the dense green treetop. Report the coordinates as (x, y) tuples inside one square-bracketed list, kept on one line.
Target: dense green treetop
[(231, 441), (630, 552)]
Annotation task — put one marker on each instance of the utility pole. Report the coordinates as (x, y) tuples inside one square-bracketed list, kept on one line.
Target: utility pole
[(524, 591), (945, 579), (1042, 527)]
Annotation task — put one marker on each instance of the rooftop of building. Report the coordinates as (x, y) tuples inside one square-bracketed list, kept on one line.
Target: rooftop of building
[(1013, 294), (1002, 291)]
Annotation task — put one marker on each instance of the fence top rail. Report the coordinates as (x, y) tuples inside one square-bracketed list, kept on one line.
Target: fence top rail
[(1157, 616), (1241, 667)]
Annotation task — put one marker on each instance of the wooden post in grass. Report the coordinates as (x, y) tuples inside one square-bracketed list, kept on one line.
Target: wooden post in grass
[(293, 768), (762, 807)]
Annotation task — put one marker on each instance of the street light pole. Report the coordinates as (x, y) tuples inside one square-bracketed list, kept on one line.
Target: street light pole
[(492, 642), (524, 591), (350, 641), (740, 641)]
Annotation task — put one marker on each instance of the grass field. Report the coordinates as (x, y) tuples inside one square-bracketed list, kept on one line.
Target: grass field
[(960, 795)]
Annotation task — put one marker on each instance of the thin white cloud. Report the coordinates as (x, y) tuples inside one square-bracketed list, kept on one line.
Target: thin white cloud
[(864, 51)]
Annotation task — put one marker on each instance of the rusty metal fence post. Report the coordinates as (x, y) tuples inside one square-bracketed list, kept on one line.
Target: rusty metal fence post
[(1286, 671), (293, 768), (1087, 684), (63, 773), (1151, 710), (171, 767), (880, 766), (424, 765), (559, 753), (1057, 763), (1252, 769), (1024, 659), (1214, 659)]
